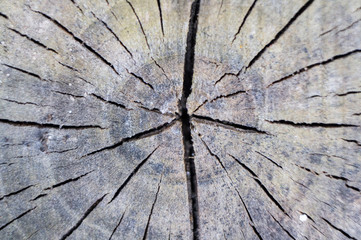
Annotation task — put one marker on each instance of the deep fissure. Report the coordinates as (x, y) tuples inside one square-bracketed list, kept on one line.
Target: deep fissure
[(185, 119)]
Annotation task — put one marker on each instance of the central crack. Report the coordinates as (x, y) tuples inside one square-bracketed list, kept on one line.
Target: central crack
[(185, 118)]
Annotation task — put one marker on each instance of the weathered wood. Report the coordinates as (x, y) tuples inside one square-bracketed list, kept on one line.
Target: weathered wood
[(204, 119)]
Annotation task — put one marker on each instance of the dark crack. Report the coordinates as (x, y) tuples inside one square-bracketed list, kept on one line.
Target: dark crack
[(140, 23), (3, 15), (68, 181), (151, 210), (24, 71), (47, 125), (285, 230), (348, 27), (88, 211), (338, 229), (218, 97), (24, 103), (281, 32), (136, 169), (348, 93), (232, 184), (352, 141), (312, 124), (18, 217), (227, 74), (33, 40), (77, 6), (228, 124), (160, 67), (244, 20), (160, 16), (67, 94), (114, 34), (304, 69), (137, 136), (118, 224), (269, 159), (77, 39), (141, 79), (16, 192), (255, 178), (39, 196), (108, 101), (189, 164), (69, 67)]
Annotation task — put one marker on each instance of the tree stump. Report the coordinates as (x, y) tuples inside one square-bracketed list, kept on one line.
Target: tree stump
[(159, 119)]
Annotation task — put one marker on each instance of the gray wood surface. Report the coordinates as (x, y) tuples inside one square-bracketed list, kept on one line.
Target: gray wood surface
[(160, 119)]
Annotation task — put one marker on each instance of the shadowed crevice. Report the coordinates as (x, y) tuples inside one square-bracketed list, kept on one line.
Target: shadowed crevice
[(281, 32), (13, 220), (90, 49), (140, 24), (137, 136), (244, 19), (136, 169), (86, 214), (33, 40), (228, 124), (185, 118)]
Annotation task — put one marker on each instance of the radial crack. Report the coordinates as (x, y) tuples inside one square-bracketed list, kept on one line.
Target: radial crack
[(151, 210), (118, 224), (223, 123), (140, 23), (160, 67), (20, 216), (189, 164), (92, 207), (348, 27), (340, 56), (255, 178), (141, 79), (285, 230), (3, 15), (135, 170), (16, 192), (47, 125), (218, 97), (66, 94), (227, 74), (113, 33), (339, 229), (69, 67), (109, 101), (281, 32), (37, 197), (232, 184), (77, 6), (68, 181), (353, 188), (24, 71), (244, 20), (348, 93), (160, 16), (137, 136), (269, 159), (24, 103), (312, 124), (33, 40), (90, 49), (352, 141)]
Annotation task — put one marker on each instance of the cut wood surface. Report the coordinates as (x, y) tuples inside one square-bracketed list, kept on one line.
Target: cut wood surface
[(163, 119)]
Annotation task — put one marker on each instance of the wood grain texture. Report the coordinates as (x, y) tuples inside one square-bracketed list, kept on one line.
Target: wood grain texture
[(158, 119)]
